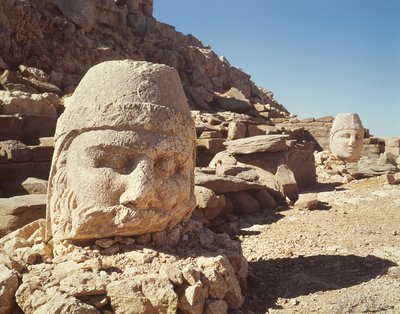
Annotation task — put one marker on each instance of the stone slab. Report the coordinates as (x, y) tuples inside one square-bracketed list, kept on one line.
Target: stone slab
[(224, 184), (257, 144), (17, 211)]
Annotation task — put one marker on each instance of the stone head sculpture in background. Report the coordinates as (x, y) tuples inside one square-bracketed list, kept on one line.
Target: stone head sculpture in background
[(124, 154), (346, 138)]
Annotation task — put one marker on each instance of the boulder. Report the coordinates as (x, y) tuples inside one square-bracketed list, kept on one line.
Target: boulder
[(286, 183), (257, 144), (18, 211)]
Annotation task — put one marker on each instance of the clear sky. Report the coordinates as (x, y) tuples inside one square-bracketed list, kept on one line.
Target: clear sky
[(318, 57)]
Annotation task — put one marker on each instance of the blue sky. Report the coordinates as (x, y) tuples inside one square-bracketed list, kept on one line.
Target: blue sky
[(319, 57)]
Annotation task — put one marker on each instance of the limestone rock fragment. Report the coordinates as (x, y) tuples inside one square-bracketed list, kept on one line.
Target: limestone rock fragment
[(234, 296), (224, 184), (256, 144), (307, 201), (287, 183), (126, 297), (236, 130), (18, 211), (13, 102), (8, 286), (210, 203)]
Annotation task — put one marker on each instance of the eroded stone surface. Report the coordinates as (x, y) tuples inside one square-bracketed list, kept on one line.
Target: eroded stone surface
[(346, 137), (124, 154), (202, 268)]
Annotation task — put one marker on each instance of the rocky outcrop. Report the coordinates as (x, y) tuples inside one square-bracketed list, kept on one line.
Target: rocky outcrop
[(66, 38)]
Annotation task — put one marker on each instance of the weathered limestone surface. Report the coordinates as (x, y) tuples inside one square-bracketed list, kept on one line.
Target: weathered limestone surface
[(124, 154), (287, 183), (122, 180), (33, 104), (17, 211), (207, 201), (8, 286), (154, 274), (257, 144), (346, 139), (224, 184)]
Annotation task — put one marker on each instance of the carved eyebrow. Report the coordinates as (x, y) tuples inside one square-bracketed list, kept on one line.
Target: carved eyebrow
[(153, 151)]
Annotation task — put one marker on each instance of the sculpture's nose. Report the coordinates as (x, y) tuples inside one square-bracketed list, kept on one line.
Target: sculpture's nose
[(139, 189), (352, 141)]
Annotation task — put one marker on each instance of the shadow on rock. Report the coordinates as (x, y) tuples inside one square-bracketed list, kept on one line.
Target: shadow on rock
[(292, 277)]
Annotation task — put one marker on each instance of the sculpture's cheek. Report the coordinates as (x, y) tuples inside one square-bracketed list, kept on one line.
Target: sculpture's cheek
[(96, 187)]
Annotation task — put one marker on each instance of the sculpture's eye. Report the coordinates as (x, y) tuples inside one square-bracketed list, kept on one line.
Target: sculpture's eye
[(346, 135), (166, 165), (115, 161)]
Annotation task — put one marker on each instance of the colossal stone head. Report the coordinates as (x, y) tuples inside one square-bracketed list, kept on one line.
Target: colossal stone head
[(124, 154), (347, 133)]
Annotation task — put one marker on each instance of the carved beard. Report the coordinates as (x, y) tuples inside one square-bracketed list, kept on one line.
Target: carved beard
[(74, 221)]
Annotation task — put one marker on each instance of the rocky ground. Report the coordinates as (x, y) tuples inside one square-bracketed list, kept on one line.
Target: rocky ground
[(343, 257)]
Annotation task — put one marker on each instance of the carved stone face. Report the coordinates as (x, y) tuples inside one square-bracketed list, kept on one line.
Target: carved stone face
[(347, 135), (124, 155), (347, 144), (136, 178)]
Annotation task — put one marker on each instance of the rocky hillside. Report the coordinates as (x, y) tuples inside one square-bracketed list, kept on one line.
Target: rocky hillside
[(66, 38)]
